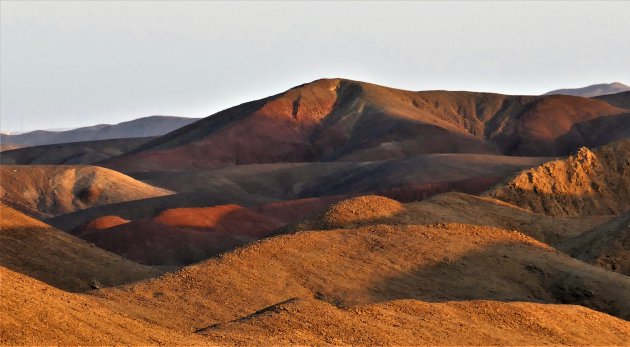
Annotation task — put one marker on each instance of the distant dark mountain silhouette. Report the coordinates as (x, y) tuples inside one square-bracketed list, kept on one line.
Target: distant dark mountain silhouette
[(141, 127), (593, 90), (83, 152)]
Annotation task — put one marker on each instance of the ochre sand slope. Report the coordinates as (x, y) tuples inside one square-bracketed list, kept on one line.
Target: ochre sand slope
[(372, 264), (360, 210), (33, 313), (385, 285), (449, 208), (59, 259), (49, 190), (414, 322)]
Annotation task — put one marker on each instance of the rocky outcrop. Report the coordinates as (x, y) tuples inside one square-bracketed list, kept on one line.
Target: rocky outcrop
[(586, 183)]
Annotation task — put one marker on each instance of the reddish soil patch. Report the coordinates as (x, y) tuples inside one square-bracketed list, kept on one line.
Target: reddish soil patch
[(104, 223), (223, 218), (152, 243), (182, 236)]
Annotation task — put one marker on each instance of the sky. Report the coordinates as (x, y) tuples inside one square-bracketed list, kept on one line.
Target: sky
[(71, 64)]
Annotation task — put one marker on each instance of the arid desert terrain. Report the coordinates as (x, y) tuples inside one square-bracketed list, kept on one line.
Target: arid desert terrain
[(337, 212)]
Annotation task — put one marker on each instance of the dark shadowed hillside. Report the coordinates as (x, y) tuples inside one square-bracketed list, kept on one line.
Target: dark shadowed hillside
[(87, 152), (607, 245), (618, 99)]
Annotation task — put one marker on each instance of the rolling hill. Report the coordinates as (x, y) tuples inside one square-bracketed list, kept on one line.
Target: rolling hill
[(48, 190), (372, 284), (149, 207), (5, 148), (457, 323), (338, 212), (141, 127), (181, 236), (300, 180), (57, 317), (38, 250), (447, 208), (348, 268), (254, 185)]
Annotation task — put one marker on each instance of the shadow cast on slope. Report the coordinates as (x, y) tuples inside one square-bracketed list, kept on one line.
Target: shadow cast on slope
[(509, 272), (595, 133)]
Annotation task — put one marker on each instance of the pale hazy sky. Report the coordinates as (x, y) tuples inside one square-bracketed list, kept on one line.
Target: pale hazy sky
[(70, 64)]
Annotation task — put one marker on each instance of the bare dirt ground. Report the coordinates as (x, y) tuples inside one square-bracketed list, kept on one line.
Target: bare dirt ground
[(33, 313), (384, 285)]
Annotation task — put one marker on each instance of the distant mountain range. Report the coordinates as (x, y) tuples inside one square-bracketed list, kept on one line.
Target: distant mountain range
[(593, 90), (141, 127)]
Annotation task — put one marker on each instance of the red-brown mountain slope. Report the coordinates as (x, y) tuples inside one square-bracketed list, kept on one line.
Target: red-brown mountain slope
[(337, 119)]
